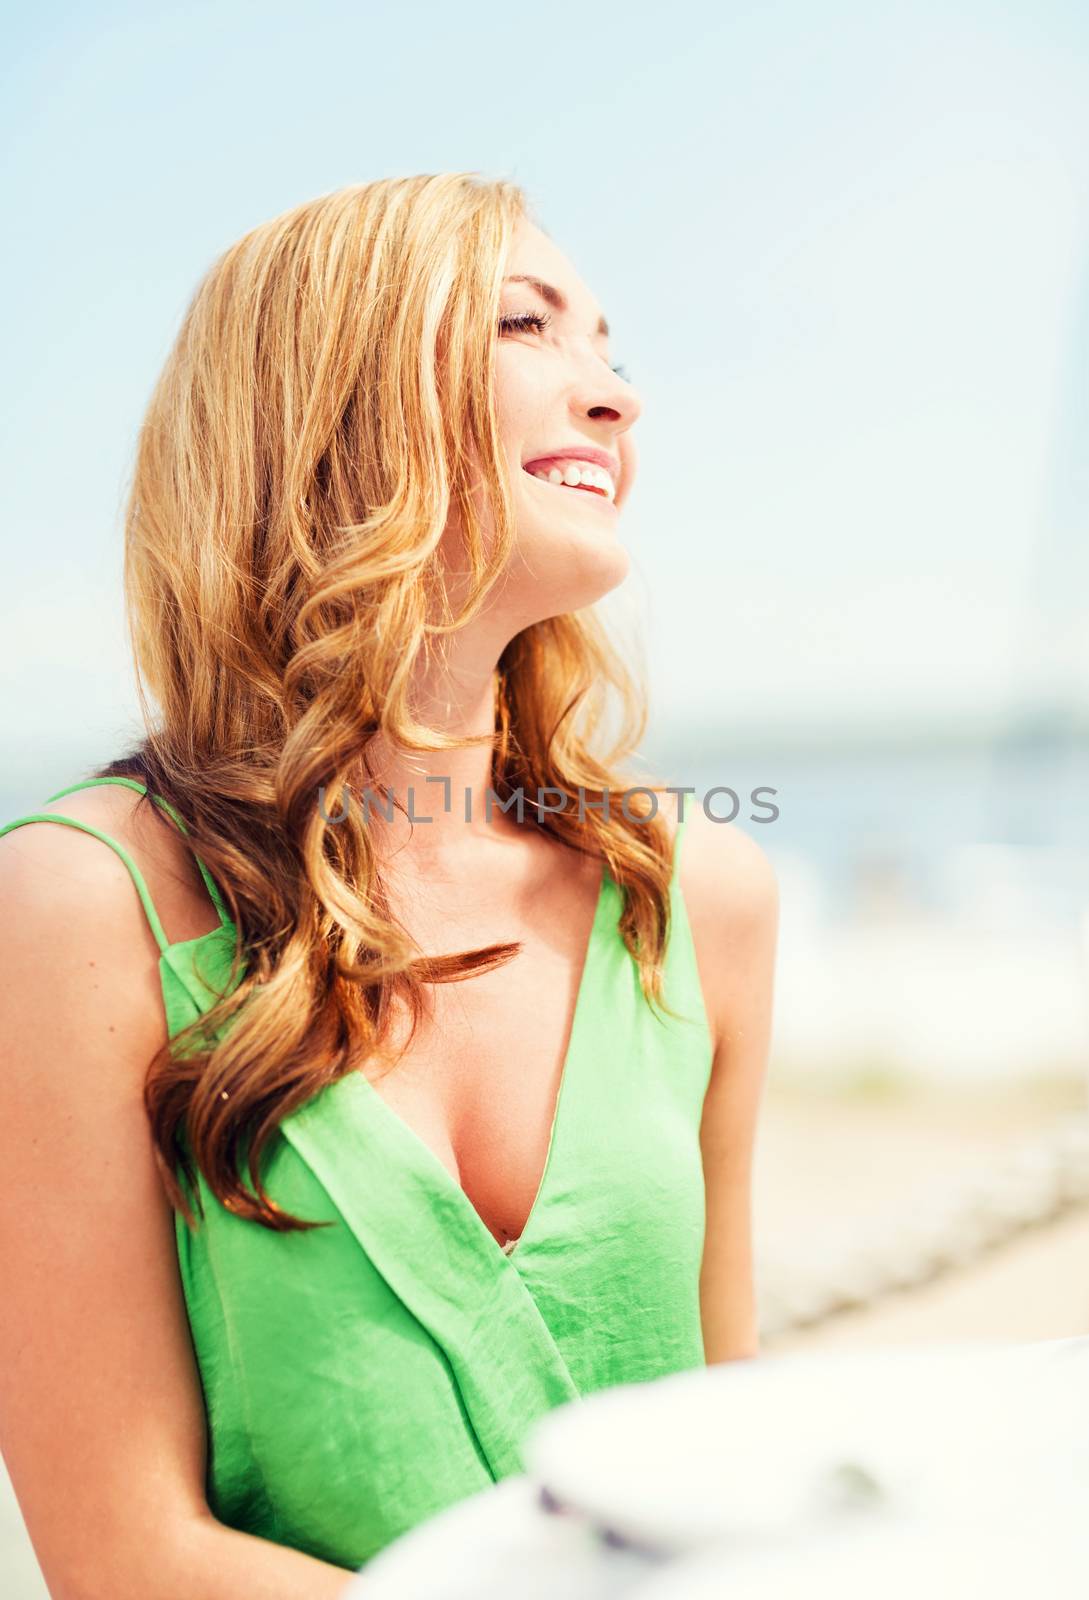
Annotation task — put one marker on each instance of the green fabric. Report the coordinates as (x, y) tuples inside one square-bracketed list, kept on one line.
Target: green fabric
[(360, 1378)]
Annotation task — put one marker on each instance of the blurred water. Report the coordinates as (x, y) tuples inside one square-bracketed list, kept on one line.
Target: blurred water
[(927, 829)]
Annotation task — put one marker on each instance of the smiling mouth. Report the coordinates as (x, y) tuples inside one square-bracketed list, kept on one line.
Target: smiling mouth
[(579, 488), (572, 488)]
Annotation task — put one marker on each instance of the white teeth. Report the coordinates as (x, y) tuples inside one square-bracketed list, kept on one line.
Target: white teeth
[(574, 473)]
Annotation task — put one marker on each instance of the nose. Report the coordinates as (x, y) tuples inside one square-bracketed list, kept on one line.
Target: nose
[(604, 395)]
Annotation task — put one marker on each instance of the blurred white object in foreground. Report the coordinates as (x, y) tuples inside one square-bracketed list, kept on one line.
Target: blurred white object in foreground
[(908, 1561), (860, 1469)]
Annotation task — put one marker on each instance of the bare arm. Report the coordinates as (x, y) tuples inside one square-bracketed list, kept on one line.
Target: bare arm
[(101, 1417), (732, 894)]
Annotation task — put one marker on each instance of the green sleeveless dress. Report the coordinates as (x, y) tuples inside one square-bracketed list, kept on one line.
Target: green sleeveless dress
[(361, 1377)]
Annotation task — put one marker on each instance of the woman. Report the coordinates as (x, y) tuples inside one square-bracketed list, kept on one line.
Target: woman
[(265, 1310)]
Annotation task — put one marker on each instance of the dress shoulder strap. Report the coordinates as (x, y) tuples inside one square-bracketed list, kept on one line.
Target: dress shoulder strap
[(134, 872), (164, 805)]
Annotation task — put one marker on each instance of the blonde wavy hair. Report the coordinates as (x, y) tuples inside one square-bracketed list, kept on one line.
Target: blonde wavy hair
[(322, 413)]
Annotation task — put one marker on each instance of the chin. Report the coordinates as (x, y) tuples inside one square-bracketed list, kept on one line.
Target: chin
[(568, 569)]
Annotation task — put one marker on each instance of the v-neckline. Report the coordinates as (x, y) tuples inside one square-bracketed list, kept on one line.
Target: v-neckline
[(421, 1150)]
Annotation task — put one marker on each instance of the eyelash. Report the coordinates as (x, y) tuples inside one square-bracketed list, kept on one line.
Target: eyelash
[(540, 320)]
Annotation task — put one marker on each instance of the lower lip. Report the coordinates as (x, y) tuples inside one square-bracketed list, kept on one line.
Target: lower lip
[(572, 490)]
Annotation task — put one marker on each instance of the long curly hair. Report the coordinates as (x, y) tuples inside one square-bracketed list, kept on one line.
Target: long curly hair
[(321, 415)]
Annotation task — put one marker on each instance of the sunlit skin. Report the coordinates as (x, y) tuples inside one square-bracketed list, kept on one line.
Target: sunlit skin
[(553, 388)]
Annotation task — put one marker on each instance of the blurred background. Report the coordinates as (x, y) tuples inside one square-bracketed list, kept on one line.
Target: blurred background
[(844, 251)]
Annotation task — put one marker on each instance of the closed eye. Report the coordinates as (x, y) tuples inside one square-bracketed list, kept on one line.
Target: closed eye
[(540, 320), (525, 319)]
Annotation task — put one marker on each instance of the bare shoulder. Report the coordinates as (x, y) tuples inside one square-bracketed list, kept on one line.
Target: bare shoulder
[(78, 959), (726, 874), (731, 894), (94, 1348), (64, 868)]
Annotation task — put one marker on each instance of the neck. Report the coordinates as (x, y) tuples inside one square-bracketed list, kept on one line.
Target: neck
[(448, 787)]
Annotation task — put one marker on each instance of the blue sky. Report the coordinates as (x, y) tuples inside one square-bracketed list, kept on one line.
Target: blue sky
[(843, 249)]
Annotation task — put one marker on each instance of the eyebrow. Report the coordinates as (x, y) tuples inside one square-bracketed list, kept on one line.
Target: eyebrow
[(552, 295)]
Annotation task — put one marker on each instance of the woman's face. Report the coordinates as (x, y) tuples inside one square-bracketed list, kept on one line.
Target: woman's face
[(560, 402)]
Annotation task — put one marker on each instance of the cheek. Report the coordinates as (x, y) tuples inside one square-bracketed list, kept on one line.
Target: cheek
[(520, 401), (625, 449)]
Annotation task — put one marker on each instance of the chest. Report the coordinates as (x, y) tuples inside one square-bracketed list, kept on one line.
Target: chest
[(480, 1082)]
